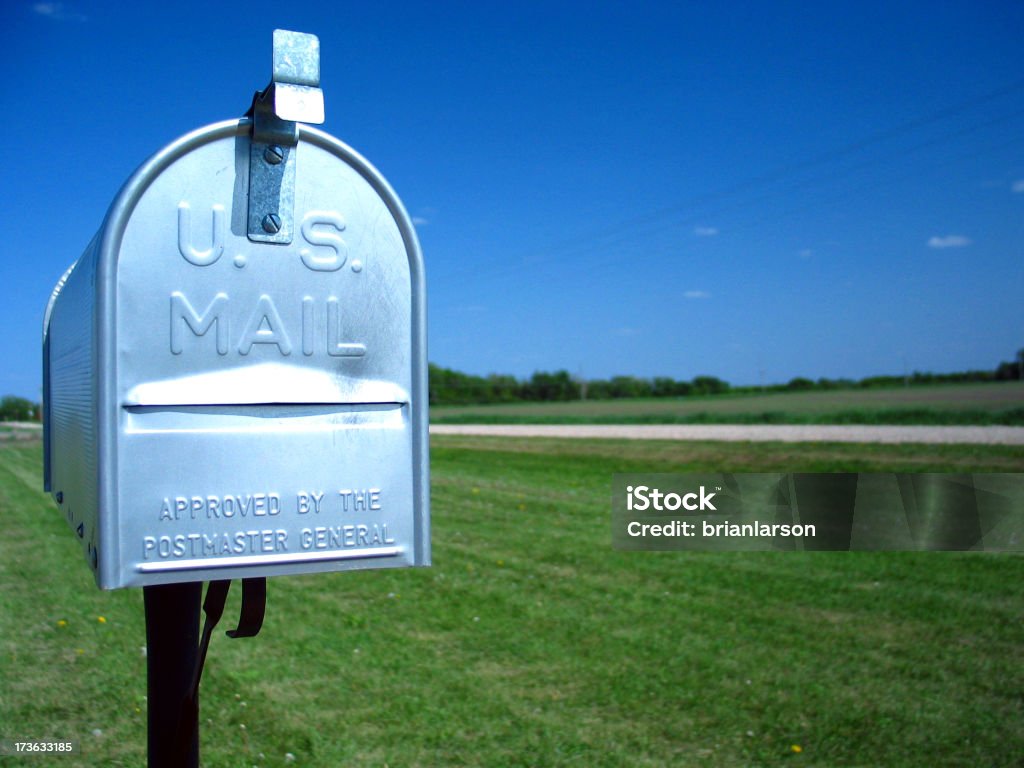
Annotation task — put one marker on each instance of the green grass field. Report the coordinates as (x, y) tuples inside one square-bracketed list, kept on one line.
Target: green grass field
[(993, 403), (530, 642)]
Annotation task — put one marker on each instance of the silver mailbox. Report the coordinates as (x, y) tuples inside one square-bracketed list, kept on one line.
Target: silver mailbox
[(235, 369)]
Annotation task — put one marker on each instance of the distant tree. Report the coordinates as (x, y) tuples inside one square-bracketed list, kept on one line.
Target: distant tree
[(1011, 371), (599, 389), (882, 381), (1008, 372), (503, 388), (629, 386), (709, 385), (557, 386), (662, 386), (13, 408), (453, 387), (800, 383)]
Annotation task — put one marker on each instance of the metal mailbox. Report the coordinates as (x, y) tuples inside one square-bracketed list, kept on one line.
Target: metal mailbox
[(235, 370)]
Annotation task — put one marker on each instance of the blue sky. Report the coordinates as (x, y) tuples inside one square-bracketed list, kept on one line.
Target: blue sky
[(755, 191)]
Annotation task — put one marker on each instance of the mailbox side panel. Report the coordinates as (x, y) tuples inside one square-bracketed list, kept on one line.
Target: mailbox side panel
[(47, 419), (70, 395)]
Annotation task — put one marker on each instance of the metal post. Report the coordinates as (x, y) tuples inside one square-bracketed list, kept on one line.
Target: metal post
[(172, 642)]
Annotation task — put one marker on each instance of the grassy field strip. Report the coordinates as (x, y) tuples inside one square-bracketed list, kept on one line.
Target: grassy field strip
[(531, 642), (948, 404), (991, 435)]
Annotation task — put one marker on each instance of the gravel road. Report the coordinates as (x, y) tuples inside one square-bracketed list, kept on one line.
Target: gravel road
[(786, 433)]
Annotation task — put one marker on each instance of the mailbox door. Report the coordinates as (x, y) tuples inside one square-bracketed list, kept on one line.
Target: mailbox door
[(269, 400)]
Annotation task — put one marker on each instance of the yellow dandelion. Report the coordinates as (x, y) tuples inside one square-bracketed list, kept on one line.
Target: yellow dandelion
[(797, 748), (61, 623), (79, 651), (476, 490), (101, 619)]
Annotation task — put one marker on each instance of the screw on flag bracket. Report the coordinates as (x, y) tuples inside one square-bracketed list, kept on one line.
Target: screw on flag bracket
[(293, 96)]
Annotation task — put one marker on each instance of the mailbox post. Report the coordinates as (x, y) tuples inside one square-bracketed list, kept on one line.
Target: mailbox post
[(235, 370)]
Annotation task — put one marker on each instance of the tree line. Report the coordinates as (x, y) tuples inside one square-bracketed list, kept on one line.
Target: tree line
[(13, 408), (451, 387)]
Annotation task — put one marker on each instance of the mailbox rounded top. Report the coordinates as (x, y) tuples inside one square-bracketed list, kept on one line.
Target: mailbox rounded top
[(124, 204), (335, 312)]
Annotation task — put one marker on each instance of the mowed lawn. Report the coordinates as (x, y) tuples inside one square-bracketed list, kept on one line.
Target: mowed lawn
[(530, 642), (990, 403)]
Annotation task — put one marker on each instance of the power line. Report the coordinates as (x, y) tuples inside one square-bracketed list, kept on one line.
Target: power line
[(626, 228)]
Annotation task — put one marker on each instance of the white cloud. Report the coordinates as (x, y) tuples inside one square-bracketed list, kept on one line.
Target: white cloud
[(805, 253), (57, 11), (1018, 185), (949, 241), (625, 331), (705, 231), (419, 221), (696, 295)]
